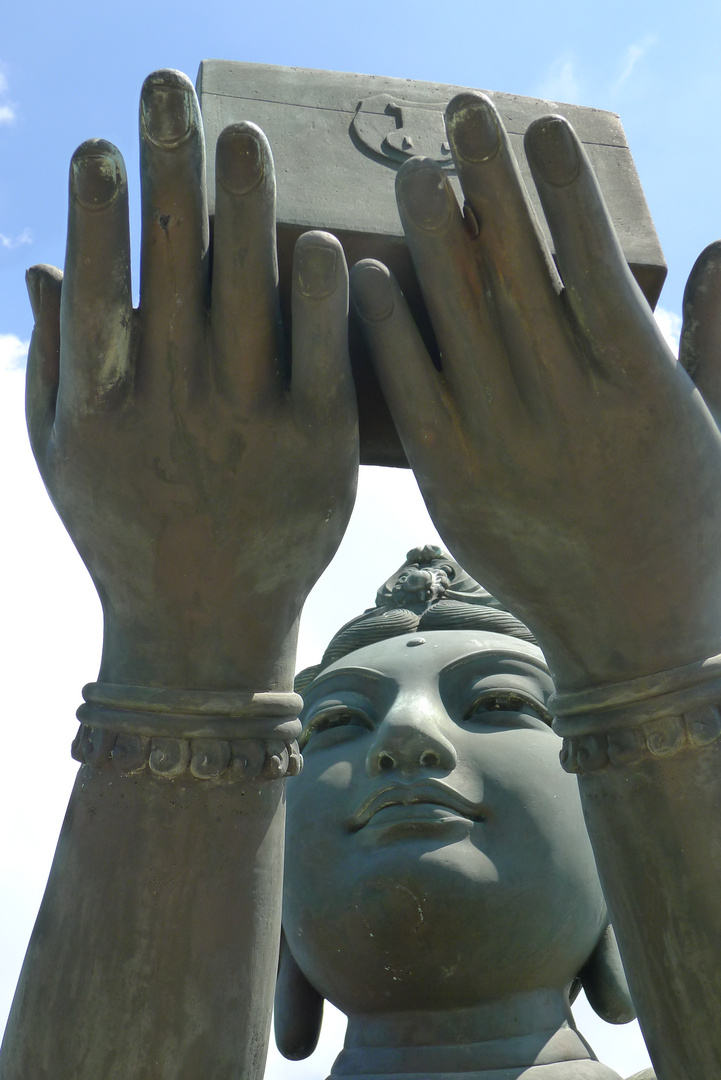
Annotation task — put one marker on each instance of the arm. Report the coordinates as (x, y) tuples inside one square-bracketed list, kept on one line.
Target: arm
[(573, 468), (205, 495)]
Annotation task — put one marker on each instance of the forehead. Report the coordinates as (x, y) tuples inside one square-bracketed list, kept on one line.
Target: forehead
[(429, 654)]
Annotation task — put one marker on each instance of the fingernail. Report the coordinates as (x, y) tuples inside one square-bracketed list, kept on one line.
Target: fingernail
[(166, 108), (43, 284), (422, 193), (473, 128), (32, 283), (551, 149), (239, 159), (372, 292), (470, 218), (95, 174), (316, 269)]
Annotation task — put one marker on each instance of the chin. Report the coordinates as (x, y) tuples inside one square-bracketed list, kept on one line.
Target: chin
[(413, 925)]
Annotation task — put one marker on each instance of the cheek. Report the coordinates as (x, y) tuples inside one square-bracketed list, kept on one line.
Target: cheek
[(320, 802), (328, 773), (536, 832), (536, 839), (316, 797)]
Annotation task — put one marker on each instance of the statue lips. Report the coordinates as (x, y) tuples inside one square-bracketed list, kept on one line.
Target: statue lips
[(430, 792)]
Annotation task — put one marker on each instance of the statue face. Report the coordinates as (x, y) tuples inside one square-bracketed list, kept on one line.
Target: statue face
[(436, 852)]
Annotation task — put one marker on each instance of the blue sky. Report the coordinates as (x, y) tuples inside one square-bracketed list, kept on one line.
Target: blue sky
[(73, 71)]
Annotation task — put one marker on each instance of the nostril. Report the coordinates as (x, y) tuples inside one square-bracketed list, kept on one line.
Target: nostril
[(386, 762), (430, 759)]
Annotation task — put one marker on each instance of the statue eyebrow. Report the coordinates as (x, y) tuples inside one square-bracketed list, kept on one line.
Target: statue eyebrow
[(500, 654), (347, 673)]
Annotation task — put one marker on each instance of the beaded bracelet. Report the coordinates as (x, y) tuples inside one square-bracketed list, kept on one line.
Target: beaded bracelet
[(652, 717), (212, 735)]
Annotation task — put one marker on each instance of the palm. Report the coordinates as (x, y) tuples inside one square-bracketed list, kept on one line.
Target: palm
[(564, 455), (205, 490)]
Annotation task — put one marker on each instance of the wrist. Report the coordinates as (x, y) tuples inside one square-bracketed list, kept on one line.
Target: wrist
[(245, 654), (211, 735), (599, 651), (651, 717)]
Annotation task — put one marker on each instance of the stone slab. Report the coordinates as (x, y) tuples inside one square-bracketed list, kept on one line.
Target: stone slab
[(338, 140)]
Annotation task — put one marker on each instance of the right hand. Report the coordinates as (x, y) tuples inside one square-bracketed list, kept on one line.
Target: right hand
[(562, 451), (205, 482)]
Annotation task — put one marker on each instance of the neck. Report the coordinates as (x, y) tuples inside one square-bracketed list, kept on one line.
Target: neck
[(528, 1035)]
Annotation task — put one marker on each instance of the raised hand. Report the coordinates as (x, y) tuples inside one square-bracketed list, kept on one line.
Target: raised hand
[(563, 452), (205, 478)]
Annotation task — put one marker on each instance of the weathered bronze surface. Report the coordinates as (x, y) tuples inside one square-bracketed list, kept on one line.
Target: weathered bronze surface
[(338, 140), (574, 468), (202, 453), (181, 463)]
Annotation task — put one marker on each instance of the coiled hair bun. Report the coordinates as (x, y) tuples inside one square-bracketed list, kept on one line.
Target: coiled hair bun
[(430, 591)]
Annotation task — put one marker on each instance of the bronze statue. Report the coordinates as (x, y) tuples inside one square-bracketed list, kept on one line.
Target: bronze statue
[(440, 888), (202, 455)]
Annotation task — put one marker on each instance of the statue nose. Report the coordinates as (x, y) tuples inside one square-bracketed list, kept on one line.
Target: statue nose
[(411, 739)]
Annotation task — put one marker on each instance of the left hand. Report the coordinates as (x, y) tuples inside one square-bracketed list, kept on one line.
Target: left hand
[(203, 461), (563, 452)]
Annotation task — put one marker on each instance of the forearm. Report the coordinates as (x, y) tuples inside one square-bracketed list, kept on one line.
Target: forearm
[(651, 794), (206, 495), (656, 834), (155, 949)]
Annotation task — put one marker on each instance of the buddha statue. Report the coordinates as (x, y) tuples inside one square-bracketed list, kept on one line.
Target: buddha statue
[(440, 885), (440, 888)]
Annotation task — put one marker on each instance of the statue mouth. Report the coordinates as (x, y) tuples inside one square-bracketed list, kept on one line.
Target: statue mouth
[(430, 793)]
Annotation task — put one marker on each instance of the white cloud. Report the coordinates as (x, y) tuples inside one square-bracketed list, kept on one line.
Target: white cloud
[(560, 82), (51, 648), (8, 112), (631, 57), (10, 242), (13, 352), (670, 326), (391, 510)]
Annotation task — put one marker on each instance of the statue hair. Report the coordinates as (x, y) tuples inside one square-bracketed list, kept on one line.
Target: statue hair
[(430, 591)]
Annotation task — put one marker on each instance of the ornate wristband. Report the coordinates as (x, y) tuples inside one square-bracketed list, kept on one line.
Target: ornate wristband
[(649, 718), (212, 735)]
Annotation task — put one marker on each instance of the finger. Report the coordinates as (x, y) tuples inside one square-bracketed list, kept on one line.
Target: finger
[(44, 285), (247, 339), (700, 346), (174, 247), (414, 391), (96, 308), (521, 276), (602, 292), (454, 285), (321, 381)]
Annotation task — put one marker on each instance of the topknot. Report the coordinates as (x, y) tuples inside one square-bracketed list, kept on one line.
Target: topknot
[(430, 591)]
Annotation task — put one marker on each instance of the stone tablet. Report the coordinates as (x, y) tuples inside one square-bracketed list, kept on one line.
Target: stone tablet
[(338, 140)]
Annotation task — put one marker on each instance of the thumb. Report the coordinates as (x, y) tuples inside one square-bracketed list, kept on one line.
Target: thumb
[(700, 345), (44, 284)]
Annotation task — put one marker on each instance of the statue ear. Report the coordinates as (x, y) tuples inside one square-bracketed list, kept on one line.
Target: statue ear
[(298, 1009), (604, 980)]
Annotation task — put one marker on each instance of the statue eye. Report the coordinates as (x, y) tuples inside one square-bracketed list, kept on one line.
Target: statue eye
[(344, 720), (505, 701)]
